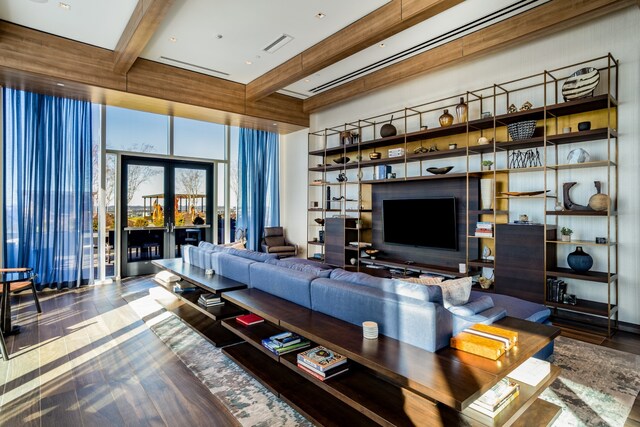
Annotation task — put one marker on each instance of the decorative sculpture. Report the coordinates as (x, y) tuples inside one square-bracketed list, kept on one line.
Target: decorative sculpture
[(568, 203)]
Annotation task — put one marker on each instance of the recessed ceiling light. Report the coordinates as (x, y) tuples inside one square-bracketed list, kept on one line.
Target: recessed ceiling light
[(320, 15), (219, 36), (60, 84), (65, 6), (173, 39), (307, 80), (275, 124), (381, 45), (248, 62)]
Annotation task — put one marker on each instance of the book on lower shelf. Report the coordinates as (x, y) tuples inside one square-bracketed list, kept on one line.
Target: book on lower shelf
[(531, 372), (497, 398), (210, 300), (323, 375), (321, 358), (180, 287), (249, 319), (285, 342)]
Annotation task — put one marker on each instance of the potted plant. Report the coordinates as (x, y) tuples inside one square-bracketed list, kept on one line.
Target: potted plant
[(486, 165), (566, 234)]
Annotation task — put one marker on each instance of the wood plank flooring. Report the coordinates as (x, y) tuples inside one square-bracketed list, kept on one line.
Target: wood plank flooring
[(88, 360)]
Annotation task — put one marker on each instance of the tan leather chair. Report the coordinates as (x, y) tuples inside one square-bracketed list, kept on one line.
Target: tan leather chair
[(273, 242)]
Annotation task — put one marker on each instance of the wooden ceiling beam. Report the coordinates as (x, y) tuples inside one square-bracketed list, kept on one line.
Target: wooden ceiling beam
[(549, 18), (43, 63), (390, 19), (145, 19)]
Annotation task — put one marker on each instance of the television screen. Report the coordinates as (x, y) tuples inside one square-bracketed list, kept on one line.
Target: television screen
[(429, 223)]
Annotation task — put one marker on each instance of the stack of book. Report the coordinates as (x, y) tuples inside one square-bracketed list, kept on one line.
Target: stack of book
[(322, 363), (496, 399), (210, 300), (555, 290), (485, 340), (180, 287), (285, 342), (484, 229)]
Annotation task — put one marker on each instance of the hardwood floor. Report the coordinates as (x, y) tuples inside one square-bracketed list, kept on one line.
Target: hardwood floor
[(88, 360)]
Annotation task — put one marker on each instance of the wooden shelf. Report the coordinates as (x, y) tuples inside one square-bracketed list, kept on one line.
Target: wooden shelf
[(581, 243), (303, 396), (481, 263), (580, 213), (596, 164), (311, 242), (488, 212), (480, 237), (416, 178), (585, 306), (413, 266), (591, 276), (254, 334)]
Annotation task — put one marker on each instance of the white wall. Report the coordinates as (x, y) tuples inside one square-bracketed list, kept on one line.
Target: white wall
[(616, 33)]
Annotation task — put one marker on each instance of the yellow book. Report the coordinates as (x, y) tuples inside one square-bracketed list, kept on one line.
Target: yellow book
[(494, 330), (485, 347)]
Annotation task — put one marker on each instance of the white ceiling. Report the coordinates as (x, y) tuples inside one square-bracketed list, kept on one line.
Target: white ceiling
[(246, 27), (95, 22)]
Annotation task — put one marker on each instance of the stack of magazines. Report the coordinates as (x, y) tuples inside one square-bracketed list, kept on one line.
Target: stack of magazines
[(497, 398), (285, 342), (322, 363), (210, 300)]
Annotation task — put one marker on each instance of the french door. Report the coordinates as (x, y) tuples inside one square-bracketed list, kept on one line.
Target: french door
[(166, 204)]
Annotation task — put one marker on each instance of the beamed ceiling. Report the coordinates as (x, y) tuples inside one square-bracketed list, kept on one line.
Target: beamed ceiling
[(255, 63)]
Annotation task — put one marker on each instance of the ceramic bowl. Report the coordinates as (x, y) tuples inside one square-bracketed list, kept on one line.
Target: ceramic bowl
[(341, 160), (439, 171)]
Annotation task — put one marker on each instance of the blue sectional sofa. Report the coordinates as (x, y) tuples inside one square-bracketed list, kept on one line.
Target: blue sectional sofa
[(408, 312)]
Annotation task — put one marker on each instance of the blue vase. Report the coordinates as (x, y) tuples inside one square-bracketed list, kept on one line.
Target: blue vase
[(579, 260)]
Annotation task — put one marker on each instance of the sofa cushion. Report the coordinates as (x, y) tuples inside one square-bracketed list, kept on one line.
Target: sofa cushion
[(417, 322), (292, 285), (252, 255), (521, 309), (233, 267), (358, 278), (472, 307), (206, 245), (317, 271), (456, 291)]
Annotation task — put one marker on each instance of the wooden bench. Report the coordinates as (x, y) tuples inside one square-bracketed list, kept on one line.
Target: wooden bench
[(389, 382)]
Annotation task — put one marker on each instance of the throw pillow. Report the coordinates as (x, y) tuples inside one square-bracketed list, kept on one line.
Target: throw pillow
[(427, 280), (456, 291)]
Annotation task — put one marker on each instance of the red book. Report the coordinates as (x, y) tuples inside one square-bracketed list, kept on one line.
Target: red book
[(249, 319)]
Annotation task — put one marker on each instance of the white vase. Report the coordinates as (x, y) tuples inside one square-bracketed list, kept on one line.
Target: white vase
[(486, 193)]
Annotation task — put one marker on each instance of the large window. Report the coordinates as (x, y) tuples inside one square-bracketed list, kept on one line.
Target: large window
[(193, 138), (137, 131)]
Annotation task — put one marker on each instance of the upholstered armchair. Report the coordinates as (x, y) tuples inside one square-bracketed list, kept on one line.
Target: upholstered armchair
[(273, 242)]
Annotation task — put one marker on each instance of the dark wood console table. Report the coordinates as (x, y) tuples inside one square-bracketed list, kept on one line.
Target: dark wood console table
[(210, 326), (389, 382)]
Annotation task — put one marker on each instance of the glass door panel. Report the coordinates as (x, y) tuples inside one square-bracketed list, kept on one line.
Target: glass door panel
[(191, 207)]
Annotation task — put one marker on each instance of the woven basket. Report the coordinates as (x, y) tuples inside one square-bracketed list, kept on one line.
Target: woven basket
[(522, 130)]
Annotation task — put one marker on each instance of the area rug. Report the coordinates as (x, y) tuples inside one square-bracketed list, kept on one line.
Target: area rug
[(597, 387)]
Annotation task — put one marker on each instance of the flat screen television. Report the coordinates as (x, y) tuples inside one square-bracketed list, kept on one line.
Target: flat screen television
[(429, 222)]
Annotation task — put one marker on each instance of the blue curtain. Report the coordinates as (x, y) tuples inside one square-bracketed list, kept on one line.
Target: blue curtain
[(258, 167), (47, 187)]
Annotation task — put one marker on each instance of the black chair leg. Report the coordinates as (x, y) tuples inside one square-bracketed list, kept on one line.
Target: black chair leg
[(35, 296), (3, 346)]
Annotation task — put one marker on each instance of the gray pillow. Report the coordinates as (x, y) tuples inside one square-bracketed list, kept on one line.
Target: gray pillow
[(456, 291)]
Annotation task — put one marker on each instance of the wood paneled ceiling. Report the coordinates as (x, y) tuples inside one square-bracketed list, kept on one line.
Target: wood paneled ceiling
[(129, 73)]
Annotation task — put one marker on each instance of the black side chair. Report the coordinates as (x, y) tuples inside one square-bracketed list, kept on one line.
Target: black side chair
[(14, 280), (273, 242)]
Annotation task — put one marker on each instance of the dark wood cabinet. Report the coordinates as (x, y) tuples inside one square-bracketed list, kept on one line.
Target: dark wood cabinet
[(520, 260), (338, 233)]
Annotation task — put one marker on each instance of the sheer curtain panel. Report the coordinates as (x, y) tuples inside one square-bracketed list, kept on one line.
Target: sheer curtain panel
[(47, 187), (259, 198)]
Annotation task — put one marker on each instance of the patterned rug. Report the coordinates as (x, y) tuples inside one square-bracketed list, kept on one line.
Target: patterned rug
[(597, 387)]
